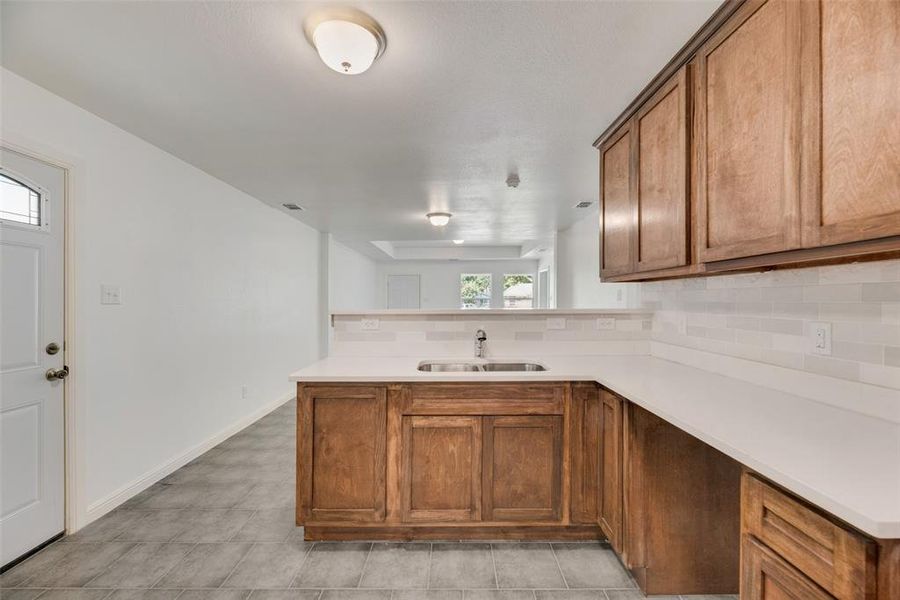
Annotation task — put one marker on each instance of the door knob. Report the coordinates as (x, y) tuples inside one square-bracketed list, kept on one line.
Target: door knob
[(57, 374)]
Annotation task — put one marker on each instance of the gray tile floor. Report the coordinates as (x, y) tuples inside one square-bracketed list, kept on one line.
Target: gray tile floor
[(222, 528)]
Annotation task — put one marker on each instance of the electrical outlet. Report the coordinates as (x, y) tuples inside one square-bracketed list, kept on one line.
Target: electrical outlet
[(556, 323), (606, 323), (821, 338), (369, 324), (110, 294)]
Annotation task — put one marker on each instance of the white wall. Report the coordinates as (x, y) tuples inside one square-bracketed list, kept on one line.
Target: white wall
[(351, 278), (578, 271), (219, 291), (439, 280)]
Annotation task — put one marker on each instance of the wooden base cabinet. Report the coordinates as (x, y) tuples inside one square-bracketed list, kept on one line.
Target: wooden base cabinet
[(447, 461), (611, 462)]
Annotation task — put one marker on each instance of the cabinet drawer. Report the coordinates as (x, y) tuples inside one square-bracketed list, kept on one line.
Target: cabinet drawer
[(478, 399), (840, 561), (765, 575)]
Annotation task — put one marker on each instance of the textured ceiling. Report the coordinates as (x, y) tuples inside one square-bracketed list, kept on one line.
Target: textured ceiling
[(465, 93)]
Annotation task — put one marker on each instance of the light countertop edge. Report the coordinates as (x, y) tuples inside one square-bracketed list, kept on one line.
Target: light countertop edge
[(784, 437)]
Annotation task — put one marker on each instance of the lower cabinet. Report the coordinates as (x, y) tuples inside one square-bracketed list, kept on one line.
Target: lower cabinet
[(767, 576), (522, 472), (611, 446), (440, 473)]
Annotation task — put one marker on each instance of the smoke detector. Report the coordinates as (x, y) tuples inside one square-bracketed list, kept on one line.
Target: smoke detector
[(513, 180)]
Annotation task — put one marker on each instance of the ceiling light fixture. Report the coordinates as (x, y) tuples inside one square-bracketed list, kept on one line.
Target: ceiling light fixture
[(458, 242), (348, 42), (438, 219)]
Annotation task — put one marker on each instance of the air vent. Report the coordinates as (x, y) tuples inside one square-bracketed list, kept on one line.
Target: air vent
[(584, 204), (292, 206)]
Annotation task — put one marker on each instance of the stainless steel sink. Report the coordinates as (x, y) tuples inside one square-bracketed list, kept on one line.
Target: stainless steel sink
[(442, 367), (438, 367), (512, 366)]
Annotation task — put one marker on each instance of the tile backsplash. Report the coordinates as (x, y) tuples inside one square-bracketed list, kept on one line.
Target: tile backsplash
[(767, 317)]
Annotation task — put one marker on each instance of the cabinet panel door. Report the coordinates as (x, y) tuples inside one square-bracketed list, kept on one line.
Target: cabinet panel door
[(586, 453), (766, 576), (616, 205), (522, 468), (661, 189), (611, 446), (341, 469), (747, 124), (441, 468), (852, 174)]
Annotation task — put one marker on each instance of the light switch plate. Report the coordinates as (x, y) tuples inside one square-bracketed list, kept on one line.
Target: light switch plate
[(369, 324), (556, 323), (820, 332), (606, 323), (110, 294)]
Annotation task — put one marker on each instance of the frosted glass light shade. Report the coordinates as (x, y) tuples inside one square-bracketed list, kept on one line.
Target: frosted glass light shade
[(345, 47), (438, 219)]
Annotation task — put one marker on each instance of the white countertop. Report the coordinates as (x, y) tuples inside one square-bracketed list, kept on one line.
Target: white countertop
[(517, 312), (846, 463)]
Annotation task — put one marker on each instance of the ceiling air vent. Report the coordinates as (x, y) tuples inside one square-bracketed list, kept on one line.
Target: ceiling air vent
[(584, 204), (292, 206)]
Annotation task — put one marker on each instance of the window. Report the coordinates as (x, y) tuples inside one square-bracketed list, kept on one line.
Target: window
[(518, 291), (19, 203), (475, 290)]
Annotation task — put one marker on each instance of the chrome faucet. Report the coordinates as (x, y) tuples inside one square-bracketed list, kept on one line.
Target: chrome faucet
[(480, 339)]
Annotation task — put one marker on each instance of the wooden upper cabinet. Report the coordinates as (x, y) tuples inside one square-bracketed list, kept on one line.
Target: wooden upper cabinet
[(522, 471), (441, 468), (852, 91), (616, 205), (746, 135), (662, 176), (342, 453)]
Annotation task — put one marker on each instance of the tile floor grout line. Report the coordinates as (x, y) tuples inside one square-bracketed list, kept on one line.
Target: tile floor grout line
[(365, 564), (428, 574), (302, 563), (559, 566), (112, 564), (494, 564), (239, 562), (170, 569)]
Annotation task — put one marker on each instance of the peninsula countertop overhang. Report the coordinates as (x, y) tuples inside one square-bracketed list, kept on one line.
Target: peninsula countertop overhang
[(845, 462)]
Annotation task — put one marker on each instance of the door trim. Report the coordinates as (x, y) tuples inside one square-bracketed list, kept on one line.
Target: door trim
[(73, 484)]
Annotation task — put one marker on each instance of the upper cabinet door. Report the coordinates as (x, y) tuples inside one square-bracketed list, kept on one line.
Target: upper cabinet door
[(616, 206), (747, 133), (661, 188), (852, 91)]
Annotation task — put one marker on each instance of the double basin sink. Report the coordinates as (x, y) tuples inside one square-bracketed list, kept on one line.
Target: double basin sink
[(479, 367)]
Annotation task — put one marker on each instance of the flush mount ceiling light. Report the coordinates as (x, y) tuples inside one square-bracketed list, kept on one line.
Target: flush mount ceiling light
[(458, 242), (438, 219), (348, 41)]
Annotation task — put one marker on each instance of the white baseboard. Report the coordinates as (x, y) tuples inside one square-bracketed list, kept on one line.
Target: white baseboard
[(128, 491)]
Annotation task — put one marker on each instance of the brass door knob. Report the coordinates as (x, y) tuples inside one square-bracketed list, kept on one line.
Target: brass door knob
[(57, 374)]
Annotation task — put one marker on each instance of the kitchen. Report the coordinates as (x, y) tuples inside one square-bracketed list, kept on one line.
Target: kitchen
[(664, 366)]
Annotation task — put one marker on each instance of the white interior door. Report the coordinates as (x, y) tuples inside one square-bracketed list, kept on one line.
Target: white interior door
[(403, 291), (31, 318)]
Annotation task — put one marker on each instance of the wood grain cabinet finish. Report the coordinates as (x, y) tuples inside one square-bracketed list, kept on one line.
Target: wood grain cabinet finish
[(522, 471), (766, 576), (662, 171), (441, 468), (852, 121), (747, 142), (611, 462), (617, 213), (341, 453), (840, 561), (586, 448)]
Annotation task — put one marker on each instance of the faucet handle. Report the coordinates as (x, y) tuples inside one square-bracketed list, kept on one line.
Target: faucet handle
[(480, 335)]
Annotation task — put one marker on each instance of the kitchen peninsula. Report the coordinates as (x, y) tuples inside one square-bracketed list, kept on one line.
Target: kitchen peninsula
[(681, 468)]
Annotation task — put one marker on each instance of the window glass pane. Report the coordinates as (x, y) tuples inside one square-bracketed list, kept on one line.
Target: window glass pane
[(475, 290), (518, 291), (19, 202)]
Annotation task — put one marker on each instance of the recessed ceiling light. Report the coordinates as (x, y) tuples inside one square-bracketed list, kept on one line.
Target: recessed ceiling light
[(349, 44), (458, 242), (438, 219)]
